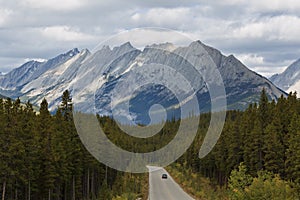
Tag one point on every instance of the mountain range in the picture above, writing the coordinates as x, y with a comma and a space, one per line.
289, 80
99, 72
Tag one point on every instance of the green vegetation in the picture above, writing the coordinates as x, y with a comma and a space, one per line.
256, 157
42, 157
265, 186
195, 184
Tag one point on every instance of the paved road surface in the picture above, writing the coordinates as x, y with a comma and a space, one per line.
164, 189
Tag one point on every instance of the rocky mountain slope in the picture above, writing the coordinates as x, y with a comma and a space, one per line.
98, 74
289, 80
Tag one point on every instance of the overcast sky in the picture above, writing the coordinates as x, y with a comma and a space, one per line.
263, 34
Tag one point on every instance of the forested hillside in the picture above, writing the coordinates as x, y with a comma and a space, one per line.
42, 158
256, 157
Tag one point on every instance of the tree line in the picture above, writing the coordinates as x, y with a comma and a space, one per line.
263, 139
42, 157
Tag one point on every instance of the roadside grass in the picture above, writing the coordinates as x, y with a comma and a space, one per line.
195, 185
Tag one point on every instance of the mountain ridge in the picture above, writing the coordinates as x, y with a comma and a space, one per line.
101, 70
289, 79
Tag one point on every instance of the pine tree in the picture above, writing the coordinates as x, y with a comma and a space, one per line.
16, 147
251, 133
253, 149
3, 164
48, 170
263, 110
274, 149
234, 145
220, 155
31, 141
293, 151
66, 106
73, 145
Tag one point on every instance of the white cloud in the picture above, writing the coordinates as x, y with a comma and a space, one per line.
283, 27
4, 15
265, 70
264, 33
258, 64
274, 5
251, 59
35, 59
58, 5
162, 16
265, 5
64, 33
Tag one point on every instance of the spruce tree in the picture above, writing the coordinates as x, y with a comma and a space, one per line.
264, 119
48, 170
263, 110
274, 149
293, 151
73, 145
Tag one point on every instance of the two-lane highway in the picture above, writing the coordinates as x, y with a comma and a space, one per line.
164, 189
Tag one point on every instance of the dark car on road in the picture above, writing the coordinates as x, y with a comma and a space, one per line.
164, 176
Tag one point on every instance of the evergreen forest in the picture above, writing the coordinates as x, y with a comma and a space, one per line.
256, 157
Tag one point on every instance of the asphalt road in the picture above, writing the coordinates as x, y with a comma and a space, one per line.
164, 189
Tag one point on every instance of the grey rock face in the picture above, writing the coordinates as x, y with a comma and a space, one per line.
94, 77
288, 78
